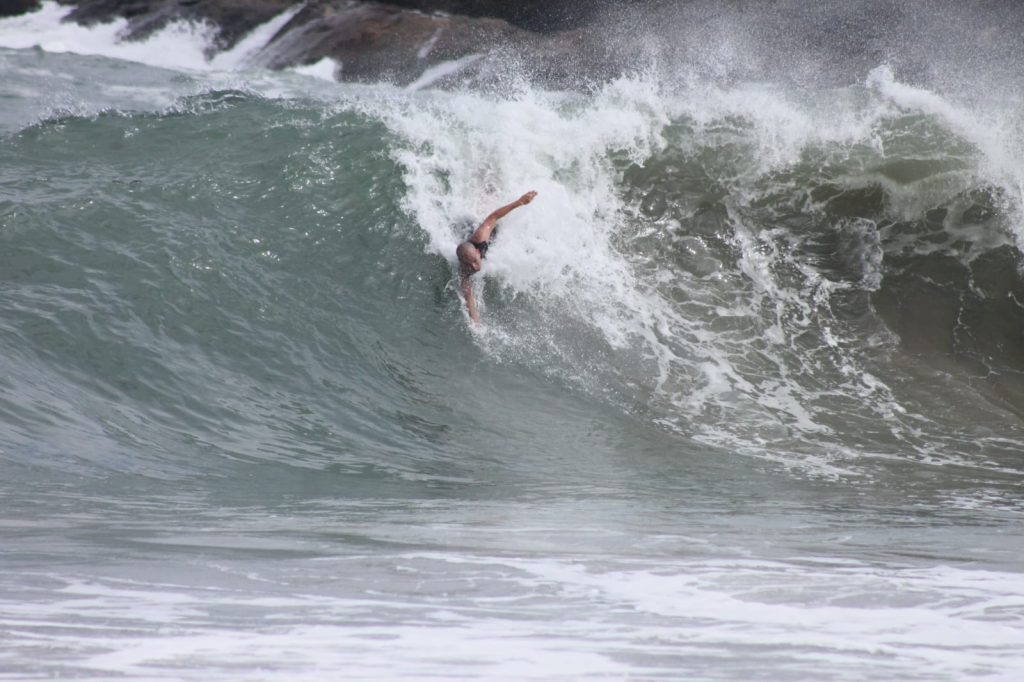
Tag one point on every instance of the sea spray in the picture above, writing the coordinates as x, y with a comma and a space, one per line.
589, 262
179, 45
461, 152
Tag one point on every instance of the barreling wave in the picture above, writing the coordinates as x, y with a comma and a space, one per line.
745, 267
264, 273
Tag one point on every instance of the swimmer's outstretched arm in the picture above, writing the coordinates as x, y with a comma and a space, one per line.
483, 233
467, 291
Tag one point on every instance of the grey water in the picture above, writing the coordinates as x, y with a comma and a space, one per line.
746, 402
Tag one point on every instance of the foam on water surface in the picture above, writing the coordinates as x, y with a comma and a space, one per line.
179, 45
827, 617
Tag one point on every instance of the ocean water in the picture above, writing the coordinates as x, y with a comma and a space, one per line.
747, 401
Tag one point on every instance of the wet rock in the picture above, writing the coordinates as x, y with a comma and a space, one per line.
233, 18
440, 42
374, 41
532, 15
10, 8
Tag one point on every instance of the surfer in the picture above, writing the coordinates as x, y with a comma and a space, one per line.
472, 251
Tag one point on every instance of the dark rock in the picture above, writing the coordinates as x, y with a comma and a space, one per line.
233, 18
395, 40
533, 15
374, 40
10, 8
90, 12
558, 42
565, 42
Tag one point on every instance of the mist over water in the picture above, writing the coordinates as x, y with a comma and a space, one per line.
746, 401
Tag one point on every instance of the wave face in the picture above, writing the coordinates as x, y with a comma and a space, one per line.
748, 392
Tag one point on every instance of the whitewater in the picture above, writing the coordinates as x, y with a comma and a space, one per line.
747, 402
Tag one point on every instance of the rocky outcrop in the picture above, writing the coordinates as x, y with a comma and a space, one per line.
374, 41
11, 8
533, 15
233, 18
570, 43
398, 41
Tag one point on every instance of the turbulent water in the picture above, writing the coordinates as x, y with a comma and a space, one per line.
747, 401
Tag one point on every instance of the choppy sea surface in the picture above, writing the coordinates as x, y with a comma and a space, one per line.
747, 401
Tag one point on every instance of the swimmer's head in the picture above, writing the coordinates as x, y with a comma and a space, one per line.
470, 259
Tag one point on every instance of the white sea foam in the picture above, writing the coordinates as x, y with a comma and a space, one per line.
249, 51
548, 618
468, 153
325, 69
443, 70
996, 133
179, 45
